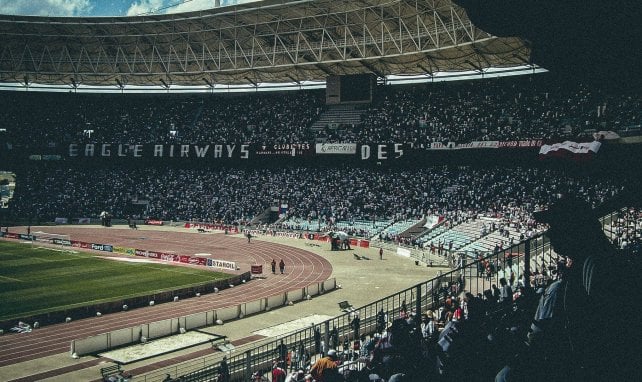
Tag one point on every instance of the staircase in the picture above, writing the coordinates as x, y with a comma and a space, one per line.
416, 230
269, 216
337, 115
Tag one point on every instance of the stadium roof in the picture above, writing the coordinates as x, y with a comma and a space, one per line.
274, 41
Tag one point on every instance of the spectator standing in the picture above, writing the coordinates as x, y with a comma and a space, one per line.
381, 321
325, 369
278, 374
355, 324
505, 292
224, 371
317, 339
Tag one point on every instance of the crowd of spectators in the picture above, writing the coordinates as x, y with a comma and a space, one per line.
526, 107
495, 109
58, 118
466, 336
625, 229
544, 325
238, 195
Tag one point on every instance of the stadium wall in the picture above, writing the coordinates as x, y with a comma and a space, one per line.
130, 303
171, 326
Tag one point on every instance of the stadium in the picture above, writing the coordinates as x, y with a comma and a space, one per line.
392, 190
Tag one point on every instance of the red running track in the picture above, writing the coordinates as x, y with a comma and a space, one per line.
302, 269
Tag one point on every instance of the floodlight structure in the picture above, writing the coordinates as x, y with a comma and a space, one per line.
273, 41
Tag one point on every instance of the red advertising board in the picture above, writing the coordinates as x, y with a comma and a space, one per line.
256, 269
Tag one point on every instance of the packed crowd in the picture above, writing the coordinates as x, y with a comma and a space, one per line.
546, 325
493, 109
54, 118
239, 195
504, 109
626, 229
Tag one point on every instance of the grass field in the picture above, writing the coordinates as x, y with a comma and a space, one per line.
37, 280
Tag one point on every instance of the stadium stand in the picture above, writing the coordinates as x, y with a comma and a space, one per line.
237, 195
534, 107
459, 326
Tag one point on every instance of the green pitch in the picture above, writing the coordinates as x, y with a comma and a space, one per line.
36, 280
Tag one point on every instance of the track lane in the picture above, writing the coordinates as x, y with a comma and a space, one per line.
302, 268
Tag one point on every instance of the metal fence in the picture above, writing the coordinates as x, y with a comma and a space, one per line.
514, 263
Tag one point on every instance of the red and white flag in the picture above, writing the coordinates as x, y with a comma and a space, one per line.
569, 149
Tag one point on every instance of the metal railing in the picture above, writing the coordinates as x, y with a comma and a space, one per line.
338, 333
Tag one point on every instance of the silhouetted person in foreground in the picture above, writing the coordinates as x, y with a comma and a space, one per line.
571, 339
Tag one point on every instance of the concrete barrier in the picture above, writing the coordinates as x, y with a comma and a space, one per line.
158, 329
254, 307
90, 345
197, 320
329, 284
162, 328
227, 314
124, 336
210, 317
313, 289
276, 300
295, 295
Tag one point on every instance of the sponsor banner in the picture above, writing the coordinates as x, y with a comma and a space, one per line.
80, 244
11, 235
254, 232
221, 264
158, 151
442, 146
153, 255
321, 237
124, 250
218, 227
361, 243
61, 242
27, 237
286, 149
61, 220
381, 152
197, 260
169, 257
484, 144
524, 143
479, 145
256, 269
1, 234
184, 259
289, 235
153, 222
101, 247
84, 220
336, 148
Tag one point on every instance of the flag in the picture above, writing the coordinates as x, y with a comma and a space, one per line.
433, 221
570, 150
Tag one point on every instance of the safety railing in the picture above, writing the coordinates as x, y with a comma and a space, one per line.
297, 349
